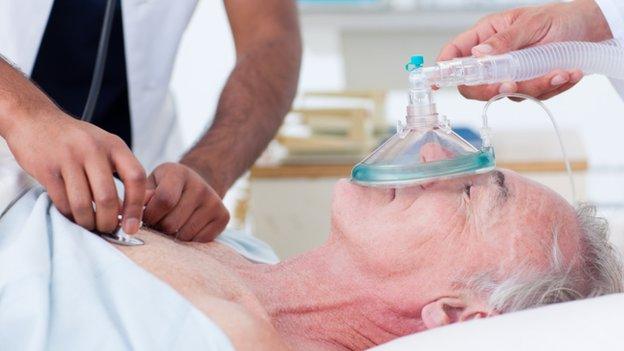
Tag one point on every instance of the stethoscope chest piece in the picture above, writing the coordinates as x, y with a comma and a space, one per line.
121, 238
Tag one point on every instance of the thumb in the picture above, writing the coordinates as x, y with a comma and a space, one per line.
513, 38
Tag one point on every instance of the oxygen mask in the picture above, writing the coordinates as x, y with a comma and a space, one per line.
424, 148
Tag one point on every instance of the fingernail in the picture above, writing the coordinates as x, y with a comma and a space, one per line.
507, 87
131, 225
558, 80
483, 49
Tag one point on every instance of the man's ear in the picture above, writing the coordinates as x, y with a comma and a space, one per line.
449, 310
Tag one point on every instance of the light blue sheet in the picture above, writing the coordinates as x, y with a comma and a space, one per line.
63, 288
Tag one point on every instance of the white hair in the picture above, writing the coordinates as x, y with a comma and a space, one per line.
597, 271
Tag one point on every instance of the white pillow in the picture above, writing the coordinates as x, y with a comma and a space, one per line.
593, 324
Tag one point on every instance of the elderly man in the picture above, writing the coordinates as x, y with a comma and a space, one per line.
397, 261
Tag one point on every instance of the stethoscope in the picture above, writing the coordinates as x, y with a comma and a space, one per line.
118, 237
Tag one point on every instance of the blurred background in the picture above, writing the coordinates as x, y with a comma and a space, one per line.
352, 92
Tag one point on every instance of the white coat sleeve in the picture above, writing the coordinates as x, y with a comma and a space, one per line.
613, 11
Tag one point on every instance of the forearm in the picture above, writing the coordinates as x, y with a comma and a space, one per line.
19, 98
254, 101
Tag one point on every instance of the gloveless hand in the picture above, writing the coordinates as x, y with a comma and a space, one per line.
184, 205
524, 27
75, 162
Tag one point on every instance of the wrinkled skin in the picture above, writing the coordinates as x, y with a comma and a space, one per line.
432, 236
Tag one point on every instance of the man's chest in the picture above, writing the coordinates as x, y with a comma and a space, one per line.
192, 271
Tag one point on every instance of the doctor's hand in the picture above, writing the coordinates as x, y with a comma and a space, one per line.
524, 27
75, 162
184, 205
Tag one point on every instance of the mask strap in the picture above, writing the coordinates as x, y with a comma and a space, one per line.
486, 132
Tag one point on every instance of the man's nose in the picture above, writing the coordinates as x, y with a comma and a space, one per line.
431, 152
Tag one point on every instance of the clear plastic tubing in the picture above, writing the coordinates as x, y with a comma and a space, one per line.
606, 58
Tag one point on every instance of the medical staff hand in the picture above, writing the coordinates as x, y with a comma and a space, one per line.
525, 27
75, 162
184, 205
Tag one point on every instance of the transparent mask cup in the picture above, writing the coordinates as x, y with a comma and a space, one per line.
424, 148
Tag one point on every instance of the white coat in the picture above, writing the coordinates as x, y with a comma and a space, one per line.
152, 33
613, 11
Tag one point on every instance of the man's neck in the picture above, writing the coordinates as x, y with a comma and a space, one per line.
319, 300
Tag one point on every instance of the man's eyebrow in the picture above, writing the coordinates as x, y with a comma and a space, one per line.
499, 180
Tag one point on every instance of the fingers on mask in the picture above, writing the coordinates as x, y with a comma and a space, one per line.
549, 85
479, 92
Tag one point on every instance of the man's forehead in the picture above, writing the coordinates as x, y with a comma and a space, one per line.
535, 217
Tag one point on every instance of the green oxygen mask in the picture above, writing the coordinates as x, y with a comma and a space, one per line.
424, 148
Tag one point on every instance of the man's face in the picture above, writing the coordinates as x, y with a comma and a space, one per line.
436, 233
